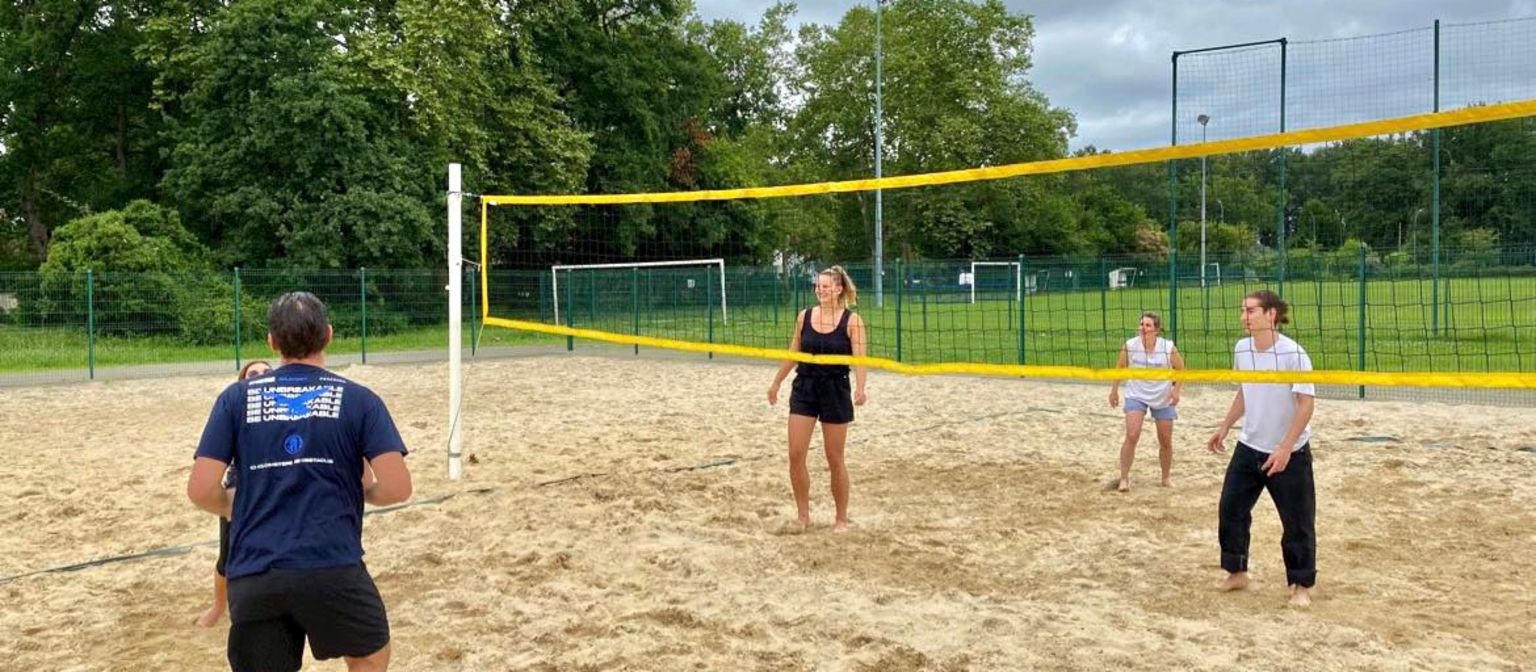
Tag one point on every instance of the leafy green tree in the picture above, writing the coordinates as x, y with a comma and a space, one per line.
77, 134
956, 96
281, 156
149, 273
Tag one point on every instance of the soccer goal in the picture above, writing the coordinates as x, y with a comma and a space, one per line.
1007, 275
1212, 275
713, 264
1123, 277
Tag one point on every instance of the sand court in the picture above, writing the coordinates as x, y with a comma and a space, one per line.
624, 513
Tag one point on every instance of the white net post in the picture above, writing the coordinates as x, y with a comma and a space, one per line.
455, 318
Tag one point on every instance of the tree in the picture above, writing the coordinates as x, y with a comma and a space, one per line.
76, 131
755, 63
282, 155
149, 274
956, 96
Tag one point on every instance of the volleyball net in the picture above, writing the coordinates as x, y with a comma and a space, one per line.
726, 271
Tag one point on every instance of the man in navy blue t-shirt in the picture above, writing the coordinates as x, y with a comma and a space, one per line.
297, 439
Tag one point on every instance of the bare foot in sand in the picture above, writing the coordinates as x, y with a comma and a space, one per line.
209, 618
1234, 581
1167, 482
1301, 597
840, 526
791, 528
1123, 486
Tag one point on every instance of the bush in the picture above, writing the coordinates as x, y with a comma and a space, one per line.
1345, 261
347, 320
1398, 260
149, 276
203, 309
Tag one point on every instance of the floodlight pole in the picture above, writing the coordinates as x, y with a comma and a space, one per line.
879, 142
1203, 119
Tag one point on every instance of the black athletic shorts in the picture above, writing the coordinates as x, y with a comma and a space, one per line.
270, 614
223, 546
826, 398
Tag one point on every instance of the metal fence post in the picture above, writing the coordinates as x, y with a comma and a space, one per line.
1023, 297
238, 320
1434, 216
1361, 340
362, 281
709, 297
90, 323
901, 274
634, 295
1104, 296
474, 318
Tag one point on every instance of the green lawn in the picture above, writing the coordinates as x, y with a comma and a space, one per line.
27, 350
1482, 325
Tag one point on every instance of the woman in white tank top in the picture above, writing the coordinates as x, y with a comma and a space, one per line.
1148, 350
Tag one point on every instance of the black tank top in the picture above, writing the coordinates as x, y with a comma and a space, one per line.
817, 343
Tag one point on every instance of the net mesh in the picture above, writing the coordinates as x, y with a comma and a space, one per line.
1363, 297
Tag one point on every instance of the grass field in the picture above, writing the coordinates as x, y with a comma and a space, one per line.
1482, 325
24, 350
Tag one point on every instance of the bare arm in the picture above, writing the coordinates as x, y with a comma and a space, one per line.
860, 346
205, 487
1178, 365
1123, 361
789, 364
391, 480
1233, 414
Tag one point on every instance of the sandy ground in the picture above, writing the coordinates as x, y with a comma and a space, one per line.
984, 536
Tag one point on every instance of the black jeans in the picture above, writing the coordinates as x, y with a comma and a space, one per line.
1295, 497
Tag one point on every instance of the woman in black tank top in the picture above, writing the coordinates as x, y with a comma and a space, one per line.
821, 391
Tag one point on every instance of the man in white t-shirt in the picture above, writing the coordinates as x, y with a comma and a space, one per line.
1273, 451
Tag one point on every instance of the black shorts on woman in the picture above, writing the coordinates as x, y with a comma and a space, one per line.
822, 391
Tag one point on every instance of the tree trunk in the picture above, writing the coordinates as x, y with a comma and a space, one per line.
122, 141
37, 231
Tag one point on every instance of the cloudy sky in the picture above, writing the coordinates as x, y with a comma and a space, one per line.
1108, 60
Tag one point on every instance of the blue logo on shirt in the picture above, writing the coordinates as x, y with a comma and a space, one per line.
294, 444
296, 404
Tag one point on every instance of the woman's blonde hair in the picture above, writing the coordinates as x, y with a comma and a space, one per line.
850, 295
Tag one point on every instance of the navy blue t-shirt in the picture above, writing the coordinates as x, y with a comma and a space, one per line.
296, 439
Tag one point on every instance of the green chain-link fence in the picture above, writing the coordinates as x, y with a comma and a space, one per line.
1353, 309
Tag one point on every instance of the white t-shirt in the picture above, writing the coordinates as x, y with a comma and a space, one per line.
1153, 393
1269, 408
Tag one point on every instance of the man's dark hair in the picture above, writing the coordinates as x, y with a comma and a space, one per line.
297, 322
1269, 300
